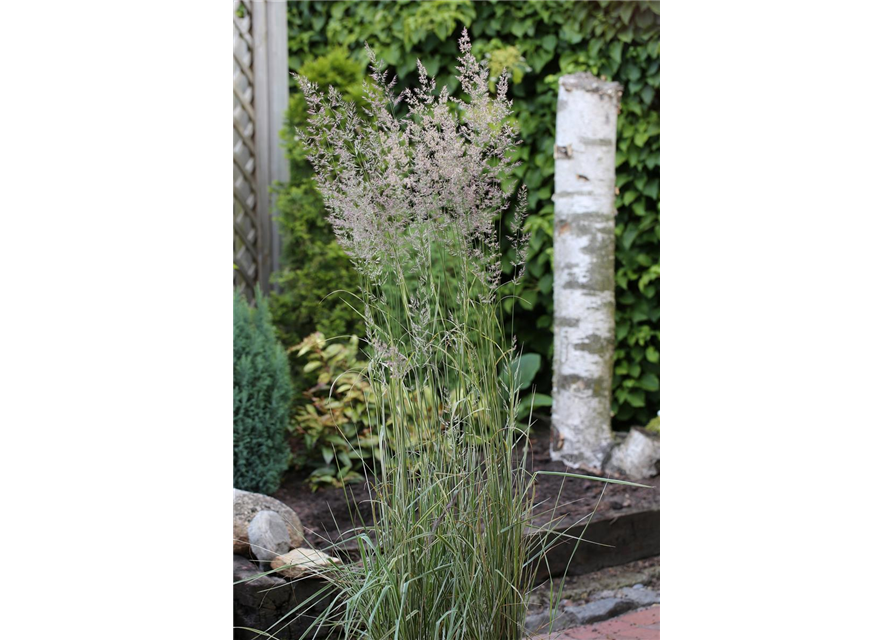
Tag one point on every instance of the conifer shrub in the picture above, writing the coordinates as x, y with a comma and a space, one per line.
261, 398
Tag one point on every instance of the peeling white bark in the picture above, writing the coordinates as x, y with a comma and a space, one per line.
585, 141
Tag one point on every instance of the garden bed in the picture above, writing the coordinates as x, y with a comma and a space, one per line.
626, 518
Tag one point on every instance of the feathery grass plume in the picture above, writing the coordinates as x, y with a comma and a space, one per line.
415, 201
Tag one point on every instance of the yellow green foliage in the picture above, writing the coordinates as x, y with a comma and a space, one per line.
336, 424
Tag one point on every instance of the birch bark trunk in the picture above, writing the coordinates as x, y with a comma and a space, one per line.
585, 141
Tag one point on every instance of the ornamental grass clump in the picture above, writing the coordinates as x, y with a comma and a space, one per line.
415, 192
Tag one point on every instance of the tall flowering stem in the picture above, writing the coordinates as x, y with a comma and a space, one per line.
416, 185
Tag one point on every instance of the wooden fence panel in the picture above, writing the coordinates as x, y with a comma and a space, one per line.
260, 98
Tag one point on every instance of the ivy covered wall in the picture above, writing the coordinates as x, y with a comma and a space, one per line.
538, 42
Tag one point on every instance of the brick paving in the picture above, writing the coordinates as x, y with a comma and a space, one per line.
742, 622
638, 625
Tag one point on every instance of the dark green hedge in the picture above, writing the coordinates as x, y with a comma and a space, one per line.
538, 42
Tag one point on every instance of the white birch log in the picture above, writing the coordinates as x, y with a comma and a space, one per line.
585, 140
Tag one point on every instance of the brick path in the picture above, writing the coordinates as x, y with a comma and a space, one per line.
638, 625
742, 622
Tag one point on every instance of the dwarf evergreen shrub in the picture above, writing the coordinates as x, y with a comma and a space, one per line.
261, 398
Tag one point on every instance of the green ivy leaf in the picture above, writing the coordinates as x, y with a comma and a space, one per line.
649, 382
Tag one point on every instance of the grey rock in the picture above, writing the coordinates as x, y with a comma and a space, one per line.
600, 610
246, 505
641, 597
539, 622
268, 536
536, 622
574, 616
636, 457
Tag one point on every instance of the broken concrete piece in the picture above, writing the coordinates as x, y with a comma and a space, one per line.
297, 562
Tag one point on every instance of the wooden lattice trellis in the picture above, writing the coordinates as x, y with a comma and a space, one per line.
260, 98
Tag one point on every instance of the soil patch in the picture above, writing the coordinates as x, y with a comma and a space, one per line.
328, 514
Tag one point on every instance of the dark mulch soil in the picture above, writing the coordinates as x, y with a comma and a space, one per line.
325, 513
